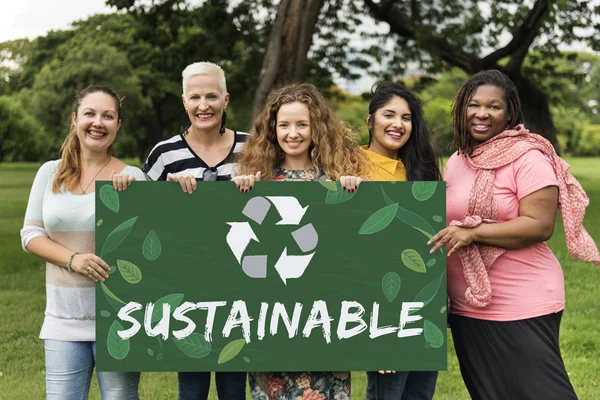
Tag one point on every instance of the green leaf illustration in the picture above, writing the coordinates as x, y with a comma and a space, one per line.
113, 300
109, 197
338, 196
391, 285
413, 260
330, 185
100, 221
231, 350
433, 335
379, 220
423, 190
428, 292
416, 221
105, 313
150, 351
129, 271
173, 299
151, 248
442, 309
111, 270
431, 262
194, 346
116, 237
117, 347
437, 218
247, 360
410, 218
159, 356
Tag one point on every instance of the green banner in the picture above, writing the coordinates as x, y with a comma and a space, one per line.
293, 276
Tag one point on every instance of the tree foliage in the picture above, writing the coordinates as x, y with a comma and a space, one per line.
474, 36
142, 49
21, 135
141, 54
51, 97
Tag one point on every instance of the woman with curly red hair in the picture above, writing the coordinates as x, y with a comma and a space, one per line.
297, 136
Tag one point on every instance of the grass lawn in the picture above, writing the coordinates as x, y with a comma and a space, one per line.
22, 302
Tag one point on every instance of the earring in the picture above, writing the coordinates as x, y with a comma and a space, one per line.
223, 121
184, 124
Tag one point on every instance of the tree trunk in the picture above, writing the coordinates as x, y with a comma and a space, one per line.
287, 52
536, 111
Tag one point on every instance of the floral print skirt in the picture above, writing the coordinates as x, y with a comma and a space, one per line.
300, 385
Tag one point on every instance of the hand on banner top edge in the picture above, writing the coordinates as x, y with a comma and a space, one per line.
121, 181
187, 182
246, 182
350, 183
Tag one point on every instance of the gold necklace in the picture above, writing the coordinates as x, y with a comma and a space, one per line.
93, 179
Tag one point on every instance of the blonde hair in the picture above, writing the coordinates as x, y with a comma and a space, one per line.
333, 151
204, 68
69, 167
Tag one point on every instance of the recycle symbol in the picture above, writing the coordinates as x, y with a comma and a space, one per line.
288, 266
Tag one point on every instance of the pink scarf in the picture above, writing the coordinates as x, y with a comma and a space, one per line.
494, 153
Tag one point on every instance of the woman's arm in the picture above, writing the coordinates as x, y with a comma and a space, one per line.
535, 224
35, 238
88, 264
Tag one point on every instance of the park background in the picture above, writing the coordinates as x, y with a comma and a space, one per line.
549, 49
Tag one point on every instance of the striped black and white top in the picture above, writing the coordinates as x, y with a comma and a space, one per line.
175, 155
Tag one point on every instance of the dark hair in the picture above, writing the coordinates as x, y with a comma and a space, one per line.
417, 154
492, 77
69, 169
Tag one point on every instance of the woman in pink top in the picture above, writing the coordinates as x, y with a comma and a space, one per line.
506, 288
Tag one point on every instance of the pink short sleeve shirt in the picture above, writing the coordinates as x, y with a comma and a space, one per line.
527, 282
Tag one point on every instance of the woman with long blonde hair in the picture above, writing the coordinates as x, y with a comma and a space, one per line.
59, 227
297, 136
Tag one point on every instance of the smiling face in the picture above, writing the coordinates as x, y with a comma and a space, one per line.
97, 121
293, 131
486, 114
390, 127
204, 101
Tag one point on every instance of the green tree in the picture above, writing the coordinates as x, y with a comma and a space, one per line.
170, 35
141, 54
13, 54
590, 141
52, 96
22, 138
469, 35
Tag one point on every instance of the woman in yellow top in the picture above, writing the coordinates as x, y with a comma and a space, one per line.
399, 149
399, 145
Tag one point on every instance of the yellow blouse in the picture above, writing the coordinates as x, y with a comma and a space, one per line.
383, 168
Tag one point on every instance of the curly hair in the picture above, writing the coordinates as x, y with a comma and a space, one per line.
69, 168
492, 77
334, 150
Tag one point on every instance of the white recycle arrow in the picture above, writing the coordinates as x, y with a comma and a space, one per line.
292, 266
289, 208
239, 237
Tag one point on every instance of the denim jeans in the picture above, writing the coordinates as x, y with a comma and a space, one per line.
413, 385
69, 367
195, 385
